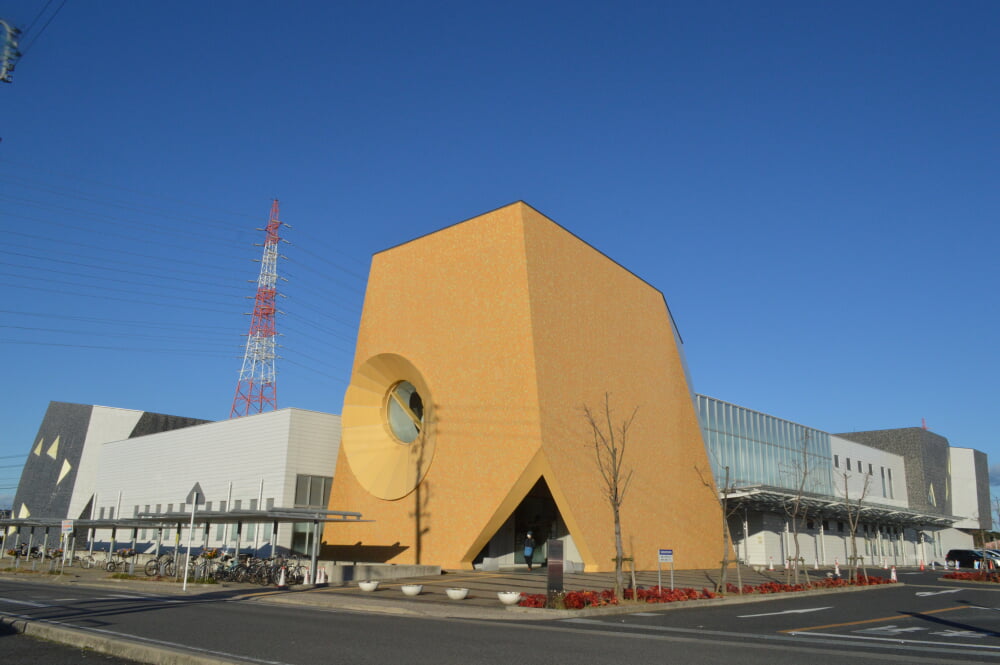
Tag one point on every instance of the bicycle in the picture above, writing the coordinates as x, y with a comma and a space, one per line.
119, 559
162, 565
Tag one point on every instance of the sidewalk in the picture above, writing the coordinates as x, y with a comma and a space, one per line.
433, 601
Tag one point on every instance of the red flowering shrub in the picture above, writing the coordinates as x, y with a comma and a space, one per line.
977, 576
532, 600
575, 600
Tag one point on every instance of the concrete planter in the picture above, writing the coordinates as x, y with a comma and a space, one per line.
457, 593
412, 589
509, 597
368, 585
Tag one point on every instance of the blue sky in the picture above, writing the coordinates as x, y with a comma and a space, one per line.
813, 186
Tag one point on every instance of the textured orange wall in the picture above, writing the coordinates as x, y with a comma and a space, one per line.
515, 324
455, 304
599, 328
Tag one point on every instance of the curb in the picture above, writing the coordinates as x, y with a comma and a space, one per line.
118, 646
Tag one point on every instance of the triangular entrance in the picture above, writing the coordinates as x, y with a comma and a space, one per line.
537, 512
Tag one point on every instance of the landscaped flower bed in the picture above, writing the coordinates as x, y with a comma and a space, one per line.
977, 576
575, 600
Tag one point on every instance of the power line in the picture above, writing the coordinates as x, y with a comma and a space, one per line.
79, 196
190, 204
37, 16
54, 14
102, 296
199, 350
90, 319
77, 332
104, 248
76, 282
155, 238
105, 289
72, 194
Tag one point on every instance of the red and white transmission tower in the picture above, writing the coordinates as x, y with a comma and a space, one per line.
256, 388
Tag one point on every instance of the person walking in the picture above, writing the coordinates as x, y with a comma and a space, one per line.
529, 549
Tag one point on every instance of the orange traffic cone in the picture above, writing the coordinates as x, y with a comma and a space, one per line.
922, 565
281, 580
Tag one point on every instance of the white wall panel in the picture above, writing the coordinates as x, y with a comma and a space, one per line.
845, 450
106, 424
965, 491
229, 459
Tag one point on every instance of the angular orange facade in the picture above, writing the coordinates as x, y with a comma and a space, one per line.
479, 346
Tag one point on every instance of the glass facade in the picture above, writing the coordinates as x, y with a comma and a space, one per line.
763, 450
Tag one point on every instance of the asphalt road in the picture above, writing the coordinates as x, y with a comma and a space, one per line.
18, 648
925, 621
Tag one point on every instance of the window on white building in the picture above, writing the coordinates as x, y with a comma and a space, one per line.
312, 491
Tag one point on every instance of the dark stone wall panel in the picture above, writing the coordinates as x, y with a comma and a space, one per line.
926, 456
151, 423
983, 490
40, 488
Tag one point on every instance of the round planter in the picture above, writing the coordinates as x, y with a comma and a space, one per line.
412, 589
509, 597
457, 593
368, 585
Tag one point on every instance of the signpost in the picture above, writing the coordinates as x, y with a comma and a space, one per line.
554, 567
194, 497
665, 556
66, 532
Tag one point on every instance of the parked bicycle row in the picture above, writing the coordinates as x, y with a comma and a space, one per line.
210, 564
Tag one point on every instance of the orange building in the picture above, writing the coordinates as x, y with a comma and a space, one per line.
463, 427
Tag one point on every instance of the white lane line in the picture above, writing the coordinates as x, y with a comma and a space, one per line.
23, 602
937, 593
124, 596
896, 640
772, 614
831, 639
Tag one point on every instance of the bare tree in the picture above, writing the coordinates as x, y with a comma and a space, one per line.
796, 511
723, 498
853, 508
610, 442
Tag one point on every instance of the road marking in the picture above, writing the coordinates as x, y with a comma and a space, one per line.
23, 602
895, 617
771, 614
936, 593
124, 595
755, 640
896, 640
